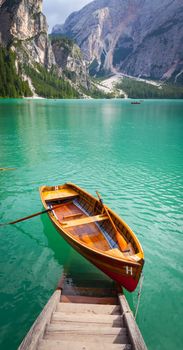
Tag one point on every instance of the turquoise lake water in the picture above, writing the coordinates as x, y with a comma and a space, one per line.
131, 154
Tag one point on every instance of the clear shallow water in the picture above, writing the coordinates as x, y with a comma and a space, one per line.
133, 155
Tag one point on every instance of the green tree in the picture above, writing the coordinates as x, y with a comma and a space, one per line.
11, 85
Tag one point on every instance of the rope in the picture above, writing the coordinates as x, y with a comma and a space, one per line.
139, 294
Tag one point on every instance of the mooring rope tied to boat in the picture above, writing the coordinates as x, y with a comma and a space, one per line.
139, 294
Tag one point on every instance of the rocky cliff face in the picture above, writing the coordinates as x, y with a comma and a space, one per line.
24, 28
69, 58
137, 37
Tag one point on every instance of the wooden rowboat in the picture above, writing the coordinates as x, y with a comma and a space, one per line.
96, 232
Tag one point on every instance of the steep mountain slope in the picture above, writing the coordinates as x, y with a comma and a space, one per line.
137, 37
23, 24
23, 30
69, 58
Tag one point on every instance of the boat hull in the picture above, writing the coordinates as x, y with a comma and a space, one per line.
126, 273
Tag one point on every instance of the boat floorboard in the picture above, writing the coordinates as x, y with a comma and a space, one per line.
87, 233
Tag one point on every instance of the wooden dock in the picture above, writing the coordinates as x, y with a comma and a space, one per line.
85, 318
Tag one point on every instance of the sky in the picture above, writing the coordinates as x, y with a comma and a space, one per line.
56, 11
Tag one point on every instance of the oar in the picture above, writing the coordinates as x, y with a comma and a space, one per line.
6, 169
30, 216
121, 241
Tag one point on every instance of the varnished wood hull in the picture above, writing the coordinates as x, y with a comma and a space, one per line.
125, 270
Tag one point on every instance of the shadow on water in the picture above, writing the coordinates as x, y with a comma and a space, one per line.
73, 264
56, 243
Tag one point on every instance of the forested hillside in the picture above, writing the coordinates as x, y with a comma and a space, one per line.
140, 89
11, 85
48, 84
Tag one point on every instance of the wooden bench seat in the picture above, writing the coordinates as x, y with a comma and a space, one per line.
59, 194
84, 221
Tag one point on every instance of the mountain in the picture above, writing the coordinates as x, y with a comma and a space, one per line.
141, 38
69, 58
23, 24
46, 64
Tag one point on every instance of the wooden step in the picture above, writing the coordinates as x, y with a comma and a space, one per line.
91, 333
84, 329
88, 300
87, 318
76, 345
88, 308
77, 327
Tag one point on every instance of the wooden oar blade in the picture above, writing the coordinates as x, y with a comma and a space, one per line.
121, 241
7, 169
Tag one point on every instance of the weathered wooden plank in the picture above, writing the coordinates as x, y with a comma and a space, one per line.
78, 332
135, 335
87, 318
83, 345
86, 220
80, 328
88, 300
107, 338
36, 332
88, 308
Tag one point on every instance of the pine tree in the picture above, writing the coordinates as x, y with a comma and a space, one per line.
11, 85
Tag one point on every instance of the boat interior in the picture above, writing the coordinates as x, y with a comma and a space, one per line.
84, 217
